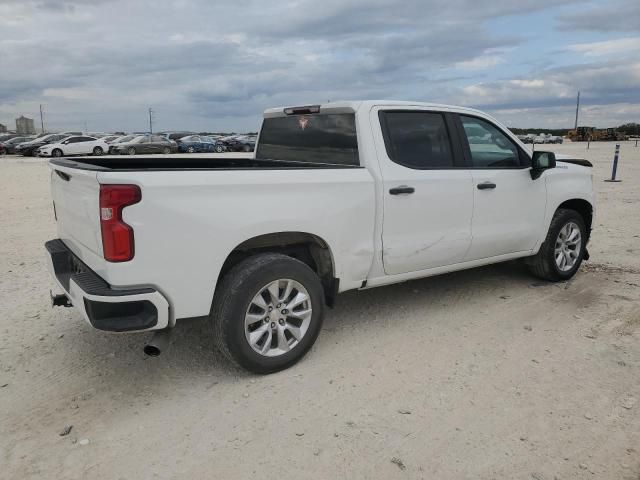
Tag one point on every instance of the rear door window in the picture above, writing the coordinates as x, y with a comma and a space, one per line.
418, 140
317, 138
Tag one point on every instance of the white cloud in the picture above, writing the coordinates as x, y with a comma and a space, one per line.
600, 116
618, 46
490, 58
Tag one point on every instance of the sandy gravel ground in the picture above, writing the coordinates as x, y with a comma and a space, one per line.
482, 374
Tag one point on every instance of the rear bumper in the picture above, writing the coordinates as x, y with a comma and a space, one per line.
103, 306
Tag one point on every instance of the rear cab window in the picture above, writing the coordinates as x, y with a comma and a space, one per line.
323, 138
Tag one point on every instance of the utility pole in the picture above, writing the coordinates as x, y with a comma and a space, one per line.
577, 110
150, 120
41, 119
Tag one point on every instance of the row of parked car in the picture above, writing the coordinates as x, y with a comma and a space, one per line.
78, 143
541, 138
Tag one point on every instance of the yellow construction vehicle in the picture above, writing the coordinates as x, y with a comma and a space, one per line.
581, 134
591, 134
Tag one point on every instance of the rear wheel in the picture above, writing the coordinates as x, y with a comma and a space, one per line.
97, 151
246, 148
267, 312
167, 150
191, 150
219, 149
131, 151
56, 152
562, 252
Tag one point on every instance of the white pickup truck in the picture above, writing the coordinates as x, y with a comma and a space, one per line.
340, 196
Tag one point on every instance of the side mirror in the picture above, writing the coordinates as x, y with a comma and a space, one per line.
540, 162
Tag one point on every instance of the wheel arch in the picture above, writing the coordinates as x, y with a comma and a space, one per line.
309, 248
584, 208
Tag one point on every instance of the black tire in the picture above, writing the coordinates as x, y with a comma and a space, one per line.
97, 151
219, 148
131, 151
191, 150
246, 148
166, 150
233, 296
56, 152
543, 264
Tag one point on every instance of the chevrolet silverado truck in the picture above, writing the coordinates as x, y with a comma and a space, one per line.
340, 196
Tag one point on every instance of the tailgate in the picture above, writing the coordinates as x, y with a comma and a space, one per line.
76, 195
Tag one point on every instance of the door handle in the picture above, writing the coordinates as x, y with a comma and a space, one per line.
402, 189
486, 186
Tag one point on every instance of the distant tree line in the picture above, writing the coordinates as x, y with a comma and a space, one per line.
628, 129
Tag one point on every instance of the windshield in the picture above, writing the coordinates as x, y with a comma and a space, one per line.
324, 138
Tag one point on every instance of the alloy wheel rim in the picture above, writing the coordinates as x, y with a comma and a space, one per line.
567, 247
278, 317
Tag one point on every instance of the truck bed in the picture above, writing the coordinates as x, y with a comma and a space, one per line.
161, 163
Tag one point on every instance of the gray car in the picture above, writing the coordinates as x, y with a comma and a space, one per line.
145, 144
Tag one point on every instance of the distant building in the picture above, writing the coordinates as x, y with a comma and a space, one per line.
3, 128
24, 126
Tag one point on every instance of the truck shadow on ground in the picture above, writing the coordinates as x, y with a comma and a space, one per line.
192, 353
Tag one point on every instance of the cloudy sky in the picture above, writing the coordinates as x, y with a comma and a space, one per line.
216, 65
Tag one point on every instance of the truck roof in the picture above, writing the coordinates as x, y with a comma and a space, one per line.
355, 105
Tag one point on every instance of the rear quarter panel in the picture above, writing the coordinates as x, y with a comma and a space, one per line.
189, 221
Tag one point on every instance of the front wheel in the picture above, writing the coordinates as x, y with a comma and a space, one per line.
97, 151
131, 151
219, 149
166, 150
191, 150
56, 152
267, 312
563, 250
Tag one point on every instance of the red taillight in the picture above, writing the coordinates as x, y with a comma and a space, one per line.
117, 236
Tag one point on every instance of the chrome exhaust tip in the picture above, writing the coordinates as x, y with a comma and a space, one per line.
158, 343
